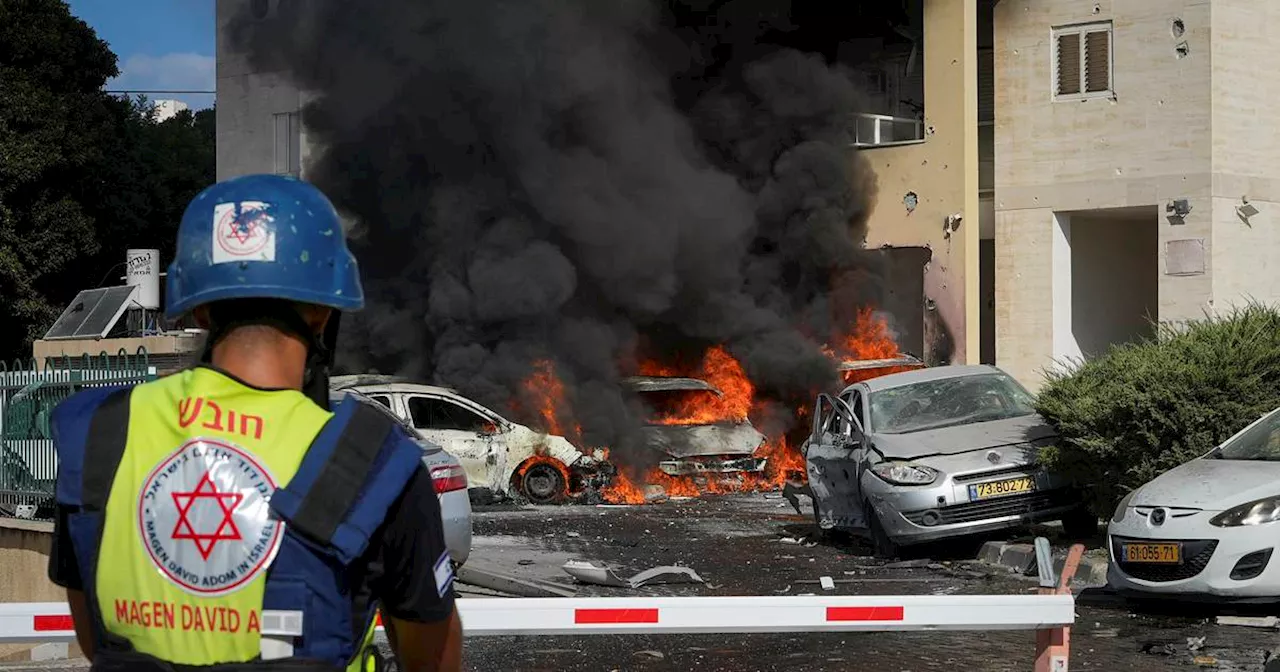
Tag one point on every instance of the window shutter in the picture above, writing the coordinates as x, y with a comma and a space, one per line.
1097, 56
1068, 64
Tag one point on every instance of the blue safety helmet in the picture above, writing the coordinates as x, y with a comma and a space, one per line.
262, 236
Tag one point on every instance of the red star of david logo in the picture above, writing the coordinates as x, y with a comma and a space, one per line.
242, 227
226, 527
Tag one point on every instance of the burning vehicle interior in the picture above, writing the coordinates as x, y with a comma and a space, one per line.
685, 426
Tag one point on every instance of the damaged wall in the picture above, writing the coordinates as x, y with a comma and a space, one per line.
939, 178
1244, 247
1147, 144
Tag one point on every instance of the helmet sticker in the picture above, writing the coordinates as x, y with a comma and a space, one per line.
243, 231
204, 519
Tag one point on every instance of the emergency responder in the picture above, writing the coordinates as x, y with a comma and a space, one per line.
224, 515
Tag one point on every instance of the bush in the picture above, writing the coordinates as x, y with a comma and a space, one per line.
1146, 407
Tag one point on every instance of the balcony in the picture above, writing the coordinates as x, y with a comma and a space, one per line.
879, 130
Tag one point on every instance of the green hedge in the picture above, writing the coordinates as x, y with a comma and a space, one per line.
1146, 407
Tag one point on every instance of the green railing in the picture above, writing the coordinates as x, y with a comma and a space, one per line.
28, 395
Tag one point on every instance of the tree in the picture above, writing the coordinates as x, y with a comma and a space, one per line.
52, 119
83, 175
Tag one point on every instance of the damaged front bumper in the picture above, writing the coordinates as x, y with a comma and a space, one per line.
713, 465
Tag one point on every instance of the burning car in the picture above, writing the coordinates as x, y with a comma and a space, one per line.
934, 453
500, 457
691, 426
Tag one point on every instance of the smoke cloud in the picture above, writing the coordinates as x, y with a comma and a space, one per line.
579, 181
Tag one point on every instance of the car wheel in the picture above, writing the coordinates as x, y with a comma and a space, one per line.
884, 546
1080, 524
544, 484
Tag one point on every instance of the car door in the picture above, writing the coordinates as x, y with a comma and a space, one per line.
834, 464
463, 432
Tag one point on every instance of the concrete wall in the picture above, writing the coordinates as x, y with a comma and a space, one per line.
943, 173
1244, 256
24, 577
246, 103
1146, 145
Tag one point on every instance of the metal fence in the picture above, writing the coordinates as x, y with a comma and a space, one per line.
28, 395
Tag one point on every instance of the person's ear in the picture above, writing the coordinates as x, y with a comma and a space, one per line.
316, 317
201, 316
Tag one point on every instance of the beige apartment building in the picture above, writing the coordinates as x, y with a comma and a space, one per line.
1137, 176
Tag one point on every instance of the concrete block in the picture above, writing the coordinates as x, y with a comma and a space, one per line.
50, 651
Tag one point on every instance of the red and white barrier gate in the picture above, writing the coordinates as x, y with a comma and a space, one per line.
1050, 613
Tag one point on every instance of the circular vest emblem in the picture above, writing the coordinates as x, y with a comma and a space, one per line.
204, 518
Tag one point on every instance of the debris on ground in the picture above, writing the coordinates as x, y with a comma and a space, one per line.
601, 575
1159, 648
827, 583
505, 583
794, 541
1195, 643
1206, 661
909, 564
1250, 621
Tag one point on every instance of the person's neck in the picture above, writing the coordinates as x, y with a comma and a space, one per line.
279, 365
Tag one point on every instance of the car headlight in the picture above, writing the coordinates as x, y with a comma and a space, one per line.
905, 473
1122, 507
1254, 513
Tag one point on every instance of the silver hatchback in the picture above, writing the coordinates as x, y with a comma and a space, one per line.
935, 453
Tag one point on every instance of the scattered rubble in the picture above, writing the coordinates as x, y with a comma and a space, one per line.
505, 583
601, 575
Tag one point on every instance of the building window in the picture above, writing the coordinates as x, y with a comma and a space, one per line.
1082, 61
288, 144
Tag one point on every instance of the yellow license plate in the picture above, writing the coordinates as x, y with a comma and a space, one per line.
1156, 554
1012, 486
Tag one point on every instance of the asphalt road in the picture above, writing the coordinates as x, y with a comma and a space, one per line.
733, 542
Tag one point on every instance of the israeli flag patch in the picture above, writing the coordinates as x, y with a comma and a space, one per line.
444, 574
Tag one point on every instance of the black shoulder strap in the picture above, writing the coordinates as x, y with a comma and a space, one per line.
104, 448
322, 492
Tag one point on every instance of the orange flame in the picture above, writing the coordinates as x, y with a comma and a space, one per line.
720, 369
867, 338
545, 387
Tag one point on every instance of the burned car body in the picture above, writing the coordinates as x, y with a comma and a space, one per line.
717, 446
934, 453
501, 457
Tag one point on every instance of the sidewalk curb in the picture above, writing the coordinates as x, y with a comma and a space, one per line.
1021, 558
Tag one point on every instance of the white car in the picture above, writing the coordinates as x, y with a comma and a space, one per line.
499, 456
1205, 529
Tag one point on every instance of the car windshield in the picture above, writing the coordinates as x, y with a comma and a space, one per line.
948, 402
1259, 442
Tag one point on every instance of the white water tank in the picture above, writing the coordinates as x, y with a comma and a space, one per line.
143, 270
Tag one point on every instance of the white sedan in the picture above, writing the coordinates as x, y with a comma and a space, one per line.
1208, 528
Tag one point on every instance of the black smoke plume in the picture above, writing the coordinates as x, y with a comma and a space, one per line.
585, 181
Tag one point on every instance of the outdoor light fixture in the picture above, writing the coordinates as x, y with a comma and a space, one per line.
1177, 210
1245, 210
